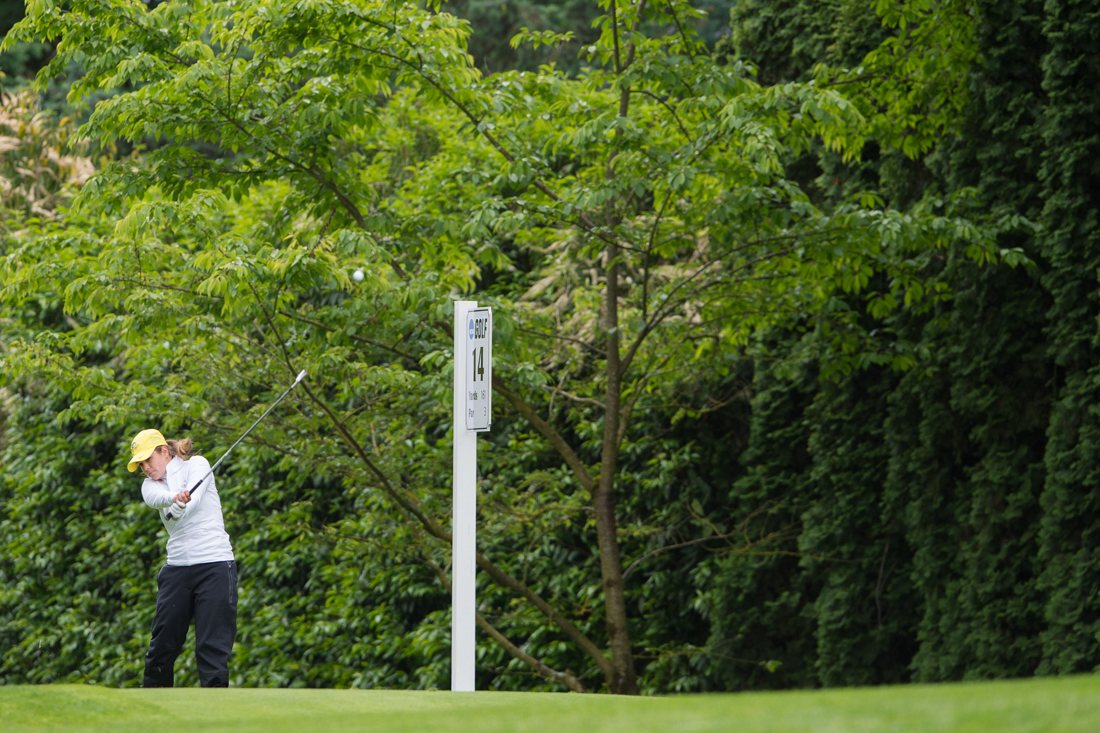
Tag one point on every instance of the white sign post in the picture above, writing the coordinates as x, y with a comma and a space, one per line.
473, 379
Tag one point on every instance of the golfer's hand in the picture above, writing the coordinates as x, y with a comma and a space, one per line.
178, 508
183, 497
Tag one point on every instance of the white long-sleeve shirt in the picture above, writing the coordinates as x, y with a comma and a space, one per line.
199, 535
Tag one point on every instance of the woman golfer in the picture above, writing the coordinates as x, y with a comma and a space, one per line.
200, 579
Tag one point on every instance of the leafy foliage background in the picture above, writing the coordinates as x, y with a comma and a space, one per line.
937, 523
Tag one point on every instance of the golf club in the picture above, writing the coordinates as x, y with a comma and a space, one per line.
301, 376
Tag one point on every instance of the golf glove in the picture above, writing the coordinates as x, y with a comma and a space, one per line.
177, 510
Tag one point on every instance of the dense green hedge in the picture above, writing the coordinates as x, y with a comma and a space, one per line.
952, 514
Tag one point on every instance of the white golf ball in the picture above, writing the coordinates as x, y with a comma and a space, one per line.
357, 276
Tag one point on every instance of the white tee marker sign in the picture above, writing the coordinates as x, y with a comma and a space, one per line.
473, 412
479, 369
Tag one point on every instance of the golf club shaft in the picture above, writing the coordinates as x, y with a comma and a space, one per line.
301, 376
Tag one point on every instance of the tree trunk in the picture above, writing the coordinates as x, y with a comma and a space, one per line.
623, 680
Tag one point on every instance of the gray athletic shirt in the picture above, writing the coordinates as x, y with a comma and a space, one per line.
199, 535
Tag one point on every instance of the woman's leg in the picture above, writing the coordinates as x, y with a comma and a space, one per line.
173, 616
215, 620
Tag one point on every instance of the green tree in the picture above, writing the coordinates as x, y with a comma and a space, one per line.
633, 226
19, 64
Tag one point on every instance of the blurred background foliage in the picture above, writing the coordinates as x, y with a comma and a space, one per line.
934, 523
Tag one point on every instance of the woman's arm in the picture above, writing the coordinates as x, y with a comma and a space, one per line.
198, 468
156, 493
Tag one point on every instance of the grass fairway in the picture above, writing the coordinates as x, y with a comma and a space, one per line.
1067, 704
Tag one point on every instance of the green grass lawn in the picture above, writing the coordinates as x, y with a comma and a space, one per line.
1066, 704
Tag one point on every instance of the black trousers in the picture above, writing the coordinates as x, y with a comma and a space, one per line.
207, 593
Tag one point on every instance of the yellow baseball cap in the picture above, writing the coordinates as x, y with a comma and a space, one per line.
142, 446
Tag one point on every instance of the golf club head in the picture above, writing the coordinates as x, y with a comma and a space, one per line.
301, 376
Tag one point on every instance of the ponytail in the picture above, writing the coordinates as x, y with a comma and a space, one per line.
179, 448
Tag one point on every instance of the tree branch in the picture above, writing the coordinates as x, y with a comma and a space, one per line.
680, 28
615, 34
311, 170
507, 581
541, 185
566, 677
635, 393
384, 483
573, 397
429, 524
354, 337
671, 111
547, 431
560, 337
